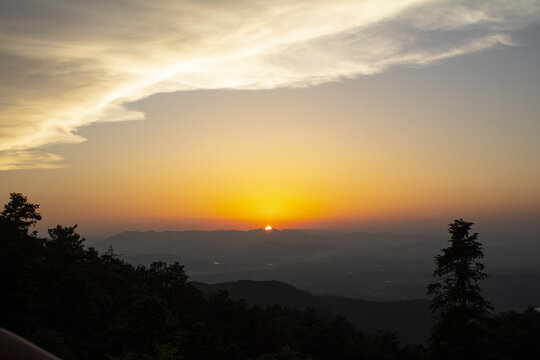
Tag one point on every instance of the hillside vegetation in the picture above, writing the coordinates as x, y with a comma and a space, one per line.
81, 304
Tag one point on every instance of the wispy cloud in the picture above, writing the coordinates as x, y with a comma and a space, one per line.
68, 64
18, 160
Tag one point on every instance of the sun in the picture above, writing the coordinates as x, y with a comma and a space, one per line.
268, 228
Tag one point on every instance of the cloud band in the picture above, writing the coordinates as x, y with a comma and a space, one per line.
66, 64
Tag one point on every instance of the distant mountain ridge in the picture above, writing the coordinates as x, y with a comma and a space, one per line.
410, 319
273, 246
370, 266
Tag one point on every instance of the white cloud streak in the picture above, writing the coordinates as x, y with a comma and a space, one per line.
67, 64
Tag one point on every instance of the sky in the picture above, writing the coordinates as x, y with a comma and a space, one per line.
233, 114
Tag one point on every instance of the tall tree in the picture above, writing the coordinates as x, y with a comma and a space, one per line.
456, 297
20, 213
20, 257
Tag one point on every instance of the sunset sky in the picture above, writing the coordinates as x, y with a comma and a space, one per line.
136, 115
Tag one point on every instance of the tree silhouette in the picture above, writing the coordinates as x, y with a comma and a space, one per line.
19, 213
80, 304
456, 297
20, 252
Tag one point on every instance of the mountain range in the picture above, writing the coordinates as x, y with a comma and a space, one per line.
410, 319
357, 265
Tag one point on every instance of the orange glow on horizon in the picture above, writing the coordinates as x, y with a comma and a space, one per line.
268, 228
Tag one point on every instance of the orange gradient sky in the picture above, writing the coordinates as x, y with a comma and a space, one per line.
345, 125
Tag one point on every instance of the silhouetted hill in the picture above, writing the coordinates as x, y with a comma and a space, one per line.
411, 319
80, 304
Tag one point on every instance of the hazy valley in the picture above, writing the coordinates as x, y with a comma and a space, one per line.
368, 266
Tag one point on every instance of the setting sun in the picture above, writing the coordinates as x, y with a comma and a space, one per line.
144, 144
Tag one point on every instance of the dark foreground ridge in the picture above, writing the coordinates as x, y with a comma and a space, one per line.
410, 319
77, 303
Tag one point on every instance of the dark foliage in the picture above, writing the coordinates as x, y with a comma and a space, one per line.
411, 319
461, 329
80, 304
518, 335
19, 213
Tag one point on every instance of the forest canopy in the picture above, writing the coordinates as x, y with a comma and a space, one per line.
80, 304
